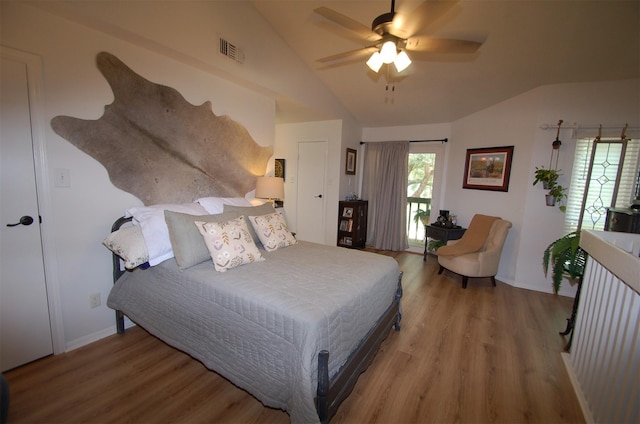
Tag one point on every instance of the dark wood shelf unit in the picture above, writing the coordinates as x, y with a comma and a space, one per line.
623, 220
352, 224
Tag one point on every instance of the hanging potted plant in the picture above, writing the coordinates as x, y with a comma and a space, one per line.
566, 258
555, 196
548, 177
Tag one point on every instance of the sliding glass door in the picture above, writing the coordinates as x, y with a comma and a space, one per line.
425, 174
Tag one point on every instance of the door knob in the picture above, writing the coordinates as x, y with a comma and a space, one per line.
25, 220
318, 196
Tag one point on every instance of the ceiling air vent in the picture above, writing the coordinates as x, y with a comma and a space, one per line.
231, 51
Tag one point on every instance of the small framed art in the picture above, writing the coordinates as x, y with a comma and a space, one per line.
350, 166
279, 168
488, 168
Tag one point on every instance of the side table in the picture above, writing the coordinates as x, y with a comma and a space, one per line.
439, 232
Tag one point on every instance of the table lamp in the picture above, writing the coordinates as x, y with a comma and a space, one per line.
270, 188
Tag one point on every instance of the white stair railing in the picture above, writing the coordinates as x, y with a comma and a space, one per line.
604, 362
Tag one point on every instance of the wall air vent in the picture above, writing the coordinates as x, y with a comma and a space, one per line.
231, 51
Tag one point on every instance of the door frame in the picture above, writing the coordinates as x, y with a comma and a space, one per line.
35, 80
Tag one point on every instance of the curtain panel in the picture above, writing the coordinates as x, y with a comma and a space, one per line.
384, 185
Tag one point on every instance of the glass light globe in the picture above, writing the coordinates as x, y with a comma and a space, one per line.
388, 52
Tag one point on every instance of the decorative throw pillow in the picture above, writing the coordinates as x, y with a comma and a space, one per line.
187, 243
128, 243
154, 228
215, 205
229, 243
264, 209
272, 231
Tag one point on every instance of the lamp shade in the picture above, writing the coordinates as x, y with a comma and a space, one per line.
388, 52
270, 187
375, 62
402, 61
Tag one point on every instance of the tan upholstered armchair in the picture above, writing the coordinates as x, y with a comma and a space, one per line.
483, 262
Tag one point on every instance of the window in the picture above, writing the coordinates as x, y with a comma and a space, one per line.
611, 183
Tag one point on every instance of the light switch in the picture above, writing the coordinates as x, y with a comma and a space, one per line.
62, 178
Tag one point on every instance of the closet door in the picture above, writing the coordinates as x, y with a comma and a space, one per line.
311, 188
25, 331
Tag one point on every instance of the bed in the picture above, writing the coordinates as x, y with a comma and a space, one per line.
295, 329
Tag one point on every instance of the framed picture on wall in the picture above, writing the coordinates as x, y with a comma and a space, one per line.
279, 168
350, 167
488, 168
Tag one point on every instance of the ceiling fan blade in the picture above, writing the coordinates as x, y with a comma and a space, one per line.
345, 21
424, 15
441, 45
350, 54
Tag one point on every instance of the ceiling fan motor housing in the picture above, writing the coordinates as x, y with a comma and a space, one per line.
383, 23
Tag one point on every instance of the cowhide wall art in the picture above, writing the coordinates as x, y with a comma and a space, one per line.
159, 147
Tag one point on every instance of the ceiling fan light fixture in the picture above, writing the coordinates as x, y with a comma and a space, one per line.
375, 62
388, 52
402, 61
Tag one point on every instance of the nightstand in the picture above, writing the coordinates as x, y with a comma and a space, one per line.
439, 232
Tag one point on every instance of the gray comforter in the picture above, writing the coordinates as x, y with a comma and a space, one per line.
262, 325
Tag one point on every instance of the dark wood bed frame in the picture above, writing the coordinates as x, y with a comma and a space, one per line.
331, 392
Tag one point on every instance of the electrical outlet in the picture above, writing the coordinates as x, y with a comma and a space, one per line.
94, 300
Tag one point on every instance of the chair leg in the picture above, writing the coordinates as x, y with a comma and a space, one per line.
493, 280
440, 270
465, 280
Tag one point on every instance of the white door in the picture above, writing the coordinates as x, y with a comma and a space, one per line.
25, 331
312, 159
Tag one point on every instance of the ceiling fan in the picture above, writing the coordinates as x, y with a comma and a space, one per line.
393, 34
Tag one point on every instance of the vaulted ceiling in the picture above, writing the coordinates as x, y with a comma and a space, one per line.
526, 44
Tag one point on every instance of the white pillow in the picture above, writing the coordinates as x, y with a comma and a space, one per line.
128, 243
215, 205
154, 228
229, 243
273, 231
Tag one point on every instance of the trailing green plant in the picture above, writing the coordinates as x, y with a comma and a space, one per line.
434, 244
549, 180
557, 192
566, 258
548, 177
421, 216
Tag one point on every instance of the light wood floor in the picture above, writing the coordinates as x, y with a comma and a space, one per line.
482, 355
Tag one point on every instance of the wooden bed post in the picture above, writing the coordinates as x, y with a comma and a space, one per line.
331, 393
117, 272
322, 402
399, 293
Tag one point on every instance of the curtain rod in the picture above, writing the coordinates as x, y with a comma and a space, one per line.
575, 126
442, 140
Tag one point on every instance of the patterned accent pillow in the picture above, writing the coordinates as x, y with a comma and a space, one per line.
273, 231
187, 243
128, 243
263, 209
229, 243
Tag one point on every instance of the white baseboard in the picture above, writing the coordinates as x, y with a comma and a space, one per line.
94, 337
90, 338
